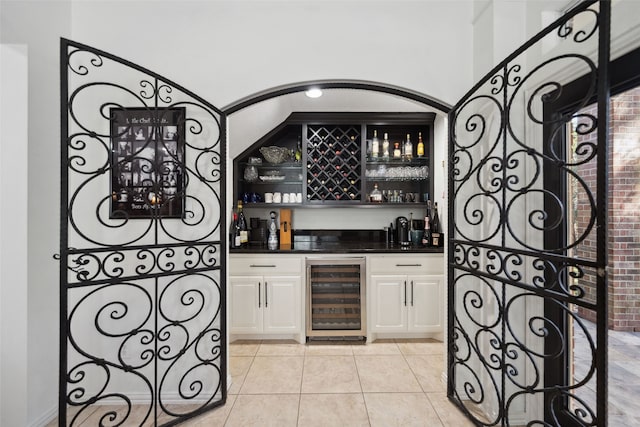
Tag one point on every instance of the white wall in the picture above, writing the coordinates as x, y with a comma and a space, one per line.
39, 24
13, 234
226, 50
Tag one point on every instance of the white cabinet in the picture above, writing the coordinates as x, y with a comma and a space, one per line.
265, 304
266, 299
406, 294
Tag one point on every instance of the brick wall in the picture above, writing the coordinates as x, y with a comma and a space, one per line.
624, 214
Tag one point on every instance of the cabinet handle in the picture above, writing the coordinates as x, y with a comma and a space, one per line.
259, 294
266, 295
412, 293
405, 293
262, 265
408, 265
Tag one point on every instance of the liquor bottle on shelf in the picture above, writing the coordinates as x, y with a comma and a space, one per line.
242, 226
420, 149
376, 195
298, 155
375, 145
435, 227
385, 147
426, 236
397, 154
408, 149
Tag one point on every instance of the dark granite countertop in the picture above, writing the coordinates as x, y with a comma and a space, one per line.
338, 242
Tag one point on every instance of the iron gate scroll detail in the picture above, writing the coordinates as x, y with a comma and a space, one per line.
513, 278
143, 331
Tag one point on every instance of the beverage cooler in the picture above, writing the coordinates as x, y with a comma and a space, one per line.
335, 297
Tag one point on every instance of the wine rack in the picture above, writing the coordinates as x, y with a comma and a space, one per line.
334, 158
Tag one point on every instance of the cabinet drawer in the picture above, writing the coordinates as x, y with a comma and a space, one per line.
407, 264
260, 265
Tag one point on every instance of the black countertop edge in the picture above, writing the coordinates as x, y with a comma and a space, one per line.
371, 249
338, 242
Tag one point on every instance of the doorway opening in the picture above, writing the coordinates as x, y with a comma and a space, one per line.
624, 259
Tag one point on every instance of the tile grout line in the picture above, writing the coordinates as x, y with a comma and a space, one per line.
366, 408
253, 358
426, 395
304, 360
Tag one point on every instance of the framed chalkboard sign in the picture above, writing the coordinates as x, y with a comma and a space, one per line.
147, 162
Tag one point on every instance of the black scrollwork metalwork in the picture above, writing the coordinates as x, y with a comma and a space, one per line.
512, 288
143, 298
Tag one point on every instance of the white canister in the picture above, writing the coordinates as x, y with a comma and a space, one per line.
286, 198
292, 197
298, 197
268, 197
277, 197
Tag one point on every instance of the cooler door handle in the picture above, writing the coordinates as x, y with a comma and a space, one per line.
266, 294
408, 265
262, 266
259, 294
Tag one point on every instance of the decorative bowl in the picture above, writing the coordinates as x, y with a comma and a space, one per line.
274, 154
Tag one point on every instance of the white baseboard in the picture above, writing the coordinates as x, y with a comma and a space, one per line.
46, 417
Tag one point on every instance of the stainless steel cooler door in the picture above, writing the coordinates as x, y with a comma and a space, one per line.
335, 297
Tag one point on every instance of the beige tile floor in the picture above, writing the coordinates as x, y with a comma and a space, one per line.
388, 383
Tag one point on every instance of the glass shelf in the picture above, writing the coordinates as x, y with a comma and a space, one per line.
273, 165
390, 179
392, 161
258, 182
270, 205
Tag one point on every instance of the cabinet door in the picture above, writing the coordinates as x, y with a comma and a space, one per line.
425, 312
388, 303
282, 304
246, 304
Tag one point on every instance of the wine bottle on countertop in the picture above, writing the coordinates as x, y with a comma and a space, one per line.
435, 227
426, 236
242, 226
234, 232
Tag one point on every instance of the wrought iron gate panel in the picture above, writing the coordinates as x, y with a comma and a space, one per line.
142, 250
513, 279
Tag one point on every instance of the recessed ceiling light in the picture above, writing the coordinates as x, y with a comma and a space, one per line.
314, 93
